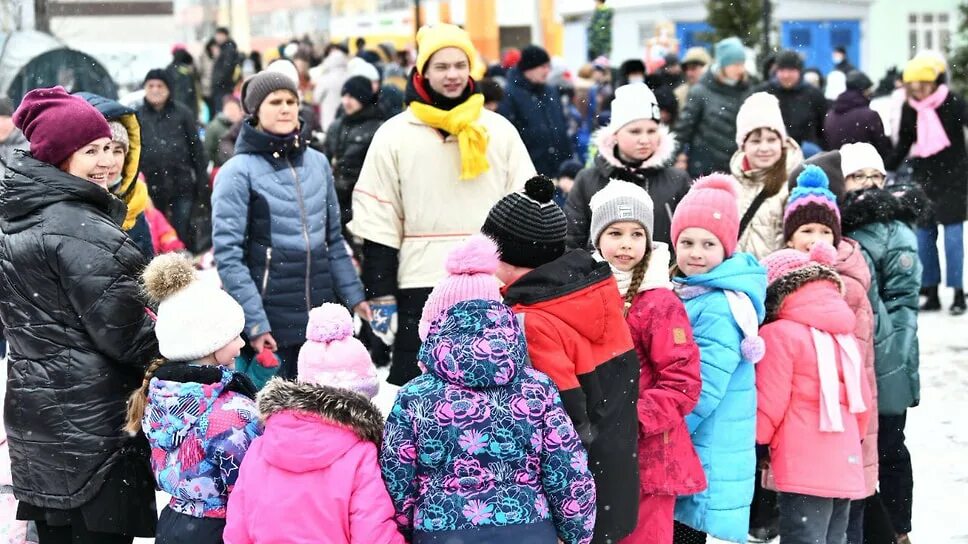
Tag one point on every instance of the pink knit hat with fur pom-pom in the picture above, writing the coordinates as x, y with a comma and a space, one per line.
331, 356
470, 276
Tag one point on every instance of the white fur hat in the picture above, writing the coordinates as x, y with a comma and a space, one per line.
633, 102
760, 110
854, 157
359, 67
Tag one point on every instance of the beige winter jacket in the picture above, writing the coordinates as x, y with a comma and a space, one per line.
409, 196
764, 235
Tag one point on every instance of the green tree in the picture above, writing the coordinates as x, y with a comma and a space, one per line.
958, 56
740, 18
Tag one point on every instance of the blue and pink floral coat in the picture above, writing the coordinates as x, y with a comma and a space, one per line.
479, 448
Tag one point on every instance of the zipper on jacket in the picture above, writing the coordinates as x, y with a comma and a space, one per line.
265, 276
305, 230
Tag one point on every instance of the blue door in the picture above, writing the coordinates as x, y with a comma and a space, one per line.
816, 40
690, 35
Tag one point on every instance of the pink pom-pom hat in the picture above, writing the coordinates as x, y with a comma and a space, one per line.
470, 276
332, 356
710, 204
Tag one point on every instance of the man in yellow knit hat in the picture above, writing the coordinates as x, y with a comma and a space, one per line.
430, 177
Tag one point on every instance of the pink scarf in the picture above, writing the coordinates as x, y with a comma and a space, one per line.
931, 135
827, 346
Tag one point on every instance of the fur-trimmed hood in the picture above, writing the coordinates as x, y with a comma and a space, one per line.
905, 203
310, 426
605, 141
778, 291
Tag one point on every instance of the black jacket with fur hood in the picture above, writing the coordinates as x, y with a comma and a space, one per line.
664, 183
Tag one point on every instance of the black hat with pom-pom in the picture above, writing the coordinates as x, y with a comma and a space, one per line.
529, 228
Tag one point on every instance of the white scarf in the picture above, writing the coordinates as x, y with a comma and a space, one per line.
656, 274
824, 344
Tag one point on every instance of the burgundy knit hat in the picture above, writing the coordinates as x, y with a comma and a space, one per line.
57, 124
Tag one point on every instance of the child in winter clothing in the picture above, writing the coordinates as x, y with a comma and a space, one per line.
669, 382
634, 147
576, 334
479, 448
811, 216
723, 292
199, 416
881, 221
315, 468
813, 399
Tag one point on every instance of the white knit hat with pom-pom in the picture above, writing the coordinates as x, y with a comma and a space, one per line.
195, 318
331, 356
470, 276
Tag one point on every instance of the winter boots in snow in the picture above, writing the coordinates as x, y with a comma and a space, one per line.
958, 306
932, 302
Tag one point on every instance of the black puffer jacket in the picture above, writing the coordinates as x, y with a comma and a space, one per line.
664, 183
803, 108
707, 125
347, 141
79, 336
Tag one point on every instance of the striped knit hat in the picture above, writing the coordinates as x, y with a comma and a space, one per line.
811, 202
529, 228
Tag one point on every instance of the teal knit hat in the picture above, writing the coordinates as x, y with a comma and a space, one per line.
730, 51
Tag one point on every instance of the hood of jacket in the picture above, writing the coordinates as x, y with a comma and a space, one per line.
905, 203
309, 427
30, 184
337, 60
737, 164
741, 273
113, 110
562, 288
178, 396
606, 160
253, 141
475, 344
852, 264
818, 302
850, 100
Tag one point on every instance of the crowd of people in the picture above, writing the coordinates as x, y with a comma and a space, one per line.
643, 304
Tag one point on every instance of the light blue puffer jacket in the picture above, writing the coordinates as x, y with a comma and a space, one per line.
723, 424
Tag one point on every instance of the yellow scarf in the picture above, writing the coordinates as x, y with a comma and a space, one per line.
462, 122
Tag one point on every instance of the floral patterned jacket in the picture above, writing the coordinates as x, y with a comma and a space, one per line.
481, 443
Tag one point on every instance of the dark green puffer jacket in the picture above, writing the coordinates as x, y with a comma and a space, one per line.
880, 221
707, 125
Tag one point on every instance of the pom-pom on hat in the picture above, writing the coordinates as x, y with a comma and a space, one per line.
811, 202
854, 157
788, 269
470, 276
620, 201
710, 204
529, 228
759, 110
57, 124
195, 318
332, 356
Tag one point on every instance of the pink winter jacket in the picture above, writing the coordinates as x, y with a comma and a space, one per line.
804, 459
853, 270
313, 476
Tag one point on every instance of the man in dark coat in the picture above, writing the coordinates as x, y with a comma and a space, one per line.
535, 109
184, 79
803, 106
851, 120
225, 70
173, 159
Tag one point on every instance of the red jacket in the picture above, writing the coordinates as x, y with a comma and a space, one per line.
669, 387
577, 335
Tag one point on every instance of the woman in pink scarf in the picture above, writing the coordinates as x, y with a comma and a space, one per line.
931, 135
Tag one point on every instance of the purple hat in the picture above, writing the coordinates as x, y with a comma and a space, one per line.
57, 124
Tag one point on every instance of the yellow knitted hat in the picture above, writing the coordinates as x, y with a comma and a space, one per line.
433, 38
920, 69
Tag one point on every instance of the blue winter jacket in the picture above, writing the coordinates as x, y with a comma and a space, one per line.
723, 424
276, 231
537, 113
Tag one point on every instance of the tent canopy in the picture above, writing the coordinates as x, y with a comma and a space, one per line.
31, 59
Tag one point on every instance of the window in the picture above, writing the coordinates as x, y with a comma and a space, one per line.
929, 31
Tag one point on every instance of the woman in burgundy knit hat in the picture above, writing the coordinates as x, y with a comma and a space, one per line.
79, 336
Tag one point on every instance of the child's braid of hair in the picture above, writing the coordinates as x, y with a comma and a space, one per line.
139, 399
638, 274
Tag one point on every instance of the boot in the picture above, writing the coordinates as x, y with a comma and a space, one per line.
958, 306
932, 303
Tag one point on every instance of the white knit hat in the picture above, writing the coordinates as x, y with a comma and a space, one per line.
195, 318
620, 201
854, 157
359, 67
633, 102
286, 68
760, 110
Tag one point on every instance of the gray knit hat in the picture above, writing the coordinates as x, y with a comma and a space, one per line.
529, 228
258, 87
620, 201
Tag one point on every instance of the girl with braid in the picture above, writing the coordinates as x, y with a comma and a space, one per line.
200, 417
669, 384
